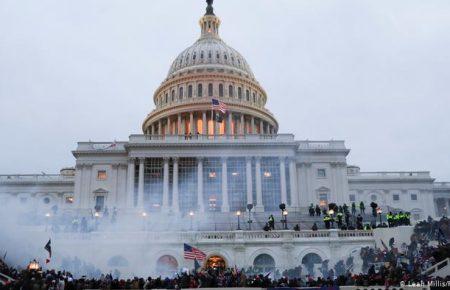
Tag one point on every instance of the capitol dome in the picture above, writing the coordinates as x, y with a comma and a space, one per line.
210, 52
210, 71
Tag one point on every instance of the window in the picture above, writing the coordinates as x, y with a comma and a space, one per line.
217, 55
413, 196
194, 56
254, 98
46, 200
225, 57
247, 95
23, 200
199, 90
321, 173
180, 93
167, 98
201, 55
101, 175
352, 197
69, 199
396, 197
220, 90
190, 91
209, 54
173, 95
210, 90
230, 91
99, 202
240, 93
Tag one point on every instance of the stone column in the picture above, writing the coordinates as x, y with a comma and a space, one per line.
259, 200
204, 124
179, 125
165, 202
261, 127
283, 180
230, 120
248, 171
225, 204
191, 123
252, 125
293, 183
140, 203
160, 127
242, 125
153, 129
214, 125
168, 126
175, 202
201, 206
130, 182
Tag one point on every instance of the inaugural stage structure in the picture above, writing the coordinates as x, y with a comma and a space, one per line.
196, 160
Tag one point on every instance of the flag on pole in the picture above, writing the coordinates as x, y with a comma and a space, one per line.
219, 105
196, 265
48, 248
192, 253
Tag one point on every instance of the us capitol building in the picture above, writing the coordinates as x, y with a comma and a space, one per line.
188, 167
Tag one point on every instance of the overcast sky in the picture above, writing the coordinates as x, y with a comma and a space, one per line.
373, 73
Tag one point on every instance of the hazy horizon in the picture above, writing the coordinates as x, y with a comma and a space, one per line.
373, 73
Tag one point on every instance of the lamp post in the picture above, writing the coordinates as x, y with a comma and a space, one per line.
96, 216
191, 215
238, 214
379, 212
285, 214
144, 220
249, 207
47, 220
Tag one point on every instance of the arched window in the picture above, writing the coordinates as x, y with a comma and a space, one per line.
167, 98
166, 265
194, 56
209, 54
230, 91
190, 91
199, 90
264, 263
254, 98
240, 93
247, 95
225, 56
217, 55
173, 95
310, 260
201, 55
180, 94
210, 90
220, 90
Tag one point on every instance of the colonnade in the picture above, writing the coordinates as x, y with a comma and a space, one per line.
204, 123
175, 205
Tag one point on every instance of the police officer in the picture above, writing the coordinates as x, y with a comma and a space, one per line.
362, 208
339, 219
311, 210
271, 222
327, 221
389, 218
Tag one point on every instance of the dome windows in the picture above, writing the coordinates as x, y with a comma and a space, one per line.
180, 93
230, 91
201, 55
199, 90
190, 91
247, 95
225, 56
167, 98
240, 93
210, 90
194, 56
254, 98
217, 55
220, 90
210, 55
173, 96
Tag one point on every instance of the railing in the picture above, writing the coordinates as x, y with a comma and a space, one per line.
394, 174
442, 185
433, 269
35, 178
210, 138
320, 145
223, 236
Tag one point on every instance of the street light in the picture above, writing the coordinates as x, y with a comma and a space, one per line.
249, 207
285, 214
379, 212
238, 214
191, 214
331, 213
144, 222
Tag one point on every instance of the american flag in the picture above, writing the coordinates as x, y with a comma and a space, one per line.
216, 104
192, 253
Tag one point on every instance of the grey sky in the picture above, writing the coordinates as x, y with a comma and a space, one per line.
374, 73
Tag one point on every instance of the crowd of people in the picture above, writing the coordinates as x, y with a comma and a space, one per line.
389, 265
